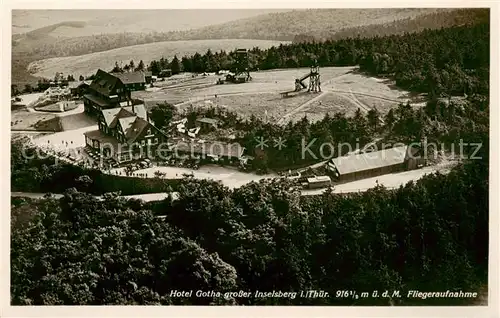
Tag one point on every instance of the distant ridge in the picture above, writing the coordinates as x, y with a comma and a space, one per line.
281, 26
295, 25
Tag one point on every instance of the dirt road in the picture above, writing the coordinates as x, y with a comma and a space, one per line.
390, 181
285, 117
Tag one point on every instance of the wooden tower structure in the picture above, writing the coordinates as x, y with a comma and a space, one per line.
314, 80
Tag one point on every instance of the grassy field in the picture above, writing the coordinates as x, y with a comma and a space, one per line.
345, 91
89, 63
256, 104
330, 103
382, 105
367, 85
201, 88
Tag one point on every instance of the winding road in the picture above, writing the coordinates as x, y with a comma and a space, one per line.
390, 181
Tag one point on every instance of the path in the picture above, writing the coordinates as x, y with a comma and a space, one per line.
353, 98
229, 177
390, 181
366, 94
299, 108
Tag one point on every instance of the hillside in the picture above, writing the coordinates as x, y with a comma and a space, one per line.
88, 64
125, 20
44, 42
321, 22
40, 44
433, 20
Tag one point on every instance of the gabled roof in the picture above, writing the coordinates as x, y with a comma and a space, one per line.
104, 82
132, 124
370, 160
208, 120
123, 113
112, 115
139, 110
126, 123
130, 77
136, 129
76, 84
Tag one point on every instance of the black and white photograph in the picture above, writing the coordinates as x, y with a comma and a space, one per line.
319, 157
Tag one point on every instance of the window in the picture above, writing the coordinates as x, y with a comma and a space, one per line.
149, 131
143, 142
155, 141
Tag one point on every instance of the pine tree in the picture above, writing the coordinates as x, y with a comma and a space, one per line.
140, 67
373, 118
117, 69
175, 65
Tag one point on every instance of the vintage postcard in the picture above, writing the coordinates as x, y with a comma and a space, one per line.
308, 159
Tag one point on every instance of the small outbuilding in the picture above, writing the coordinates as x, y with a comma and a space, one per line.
319, 182
207, 123
165, 72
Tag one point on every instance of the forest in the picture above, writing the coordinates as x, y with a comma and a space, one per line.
429, 235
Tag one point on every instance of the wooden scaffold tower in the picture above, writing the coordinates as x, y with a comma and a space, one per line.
314, 80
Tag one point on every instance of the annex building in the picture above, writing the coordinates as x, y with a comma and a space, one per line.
124, 134
372, 164
111, 90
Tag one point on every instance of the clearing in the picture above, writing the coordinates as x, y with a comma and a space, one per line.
329, 103
246, 105
344, 90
